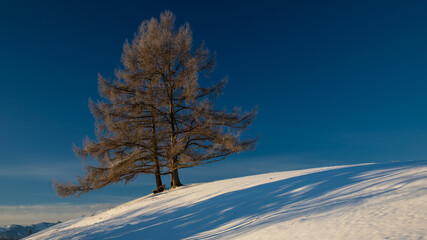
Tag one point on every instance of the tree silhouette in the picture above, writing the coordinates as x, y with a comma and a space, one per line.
155, 118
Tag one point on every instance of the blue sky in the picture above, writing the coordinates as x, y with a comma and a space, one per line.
336, 83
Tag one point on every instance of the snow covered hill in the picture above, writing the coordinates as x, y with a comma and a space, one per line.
369, 201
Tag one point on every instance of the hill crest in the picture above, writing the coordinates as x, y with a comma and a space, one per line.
367, 201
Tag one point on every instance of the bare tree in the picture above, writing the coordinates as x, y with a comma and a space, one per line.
156, 118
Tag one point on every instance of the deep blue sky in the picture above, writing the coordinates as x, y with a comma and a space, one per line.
336, 83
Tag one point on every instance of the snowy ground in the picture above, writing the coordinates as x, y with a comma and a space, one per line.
371, 201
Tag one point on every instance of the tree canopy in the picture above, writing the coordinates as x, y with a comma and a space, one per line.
154, 117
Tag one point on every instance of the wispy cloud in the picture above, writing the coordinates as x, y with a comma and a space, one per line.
42, 170
31, 214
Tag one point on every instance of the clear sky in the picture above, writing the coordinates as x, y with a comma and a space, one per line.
336, 82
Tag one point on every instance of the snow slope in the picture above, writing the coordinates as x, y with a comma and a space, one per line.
369, 201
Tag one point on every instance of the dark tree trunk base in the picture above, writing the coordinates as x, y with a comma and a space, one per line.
175, 181
159, 189
158, 180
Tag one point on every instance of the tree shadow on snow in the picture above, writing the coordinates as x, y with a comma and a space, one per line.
284, 200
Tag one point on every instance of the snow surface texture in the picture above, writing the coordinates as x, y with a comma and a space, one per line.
368, 201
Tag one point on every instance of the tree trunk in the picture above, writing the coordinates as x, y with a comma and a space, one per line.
175, 182
158, 179
154, 144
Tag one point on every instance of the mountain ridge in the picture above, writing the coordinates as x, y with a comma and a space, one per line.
16, 231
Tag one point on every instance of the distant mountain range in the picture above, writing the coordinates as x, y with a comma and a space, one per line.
14, 232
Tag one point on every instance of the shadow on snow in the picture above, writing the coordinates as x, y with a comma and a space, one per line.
283, 200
